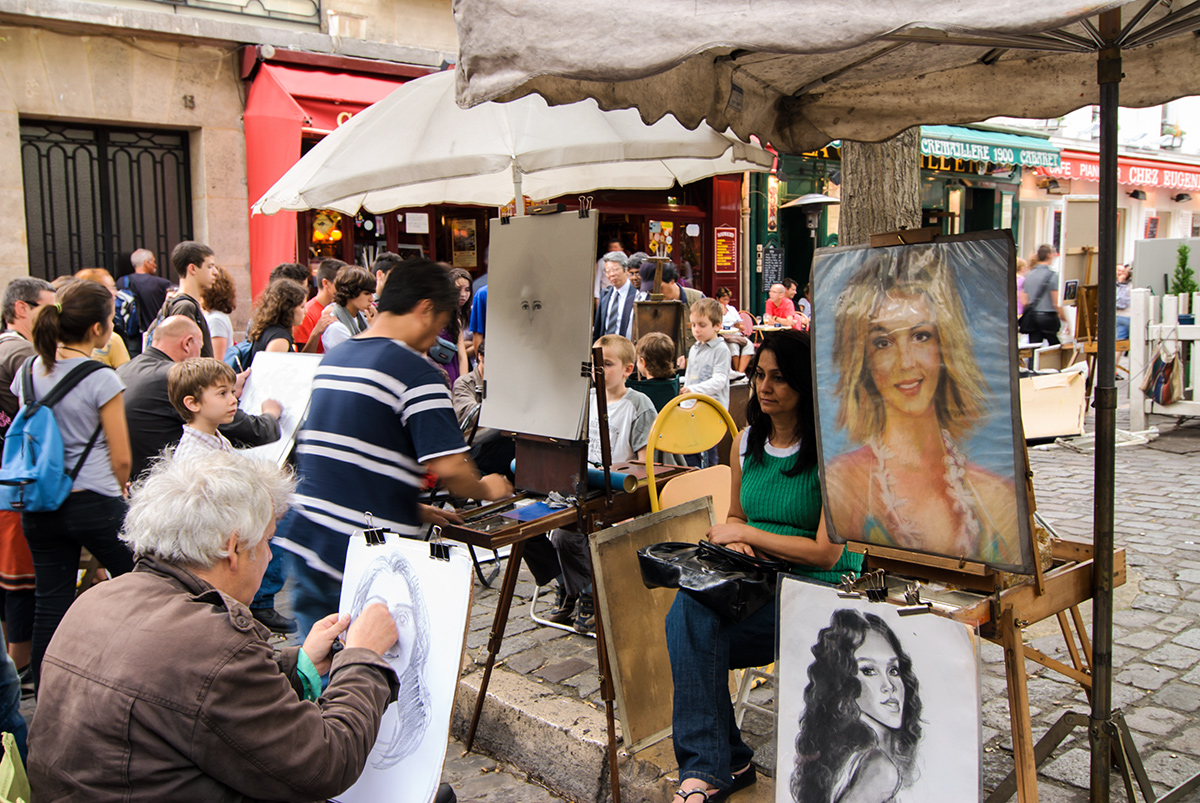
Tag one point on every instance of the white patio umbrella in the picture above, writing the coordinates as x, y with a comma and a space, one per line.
417, 147
800, 74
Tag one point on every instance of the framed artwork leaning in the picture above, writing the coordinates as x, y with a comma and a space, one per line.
918, 413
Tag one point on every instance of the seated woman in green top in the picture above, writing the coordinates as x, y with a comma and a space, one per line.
776, 511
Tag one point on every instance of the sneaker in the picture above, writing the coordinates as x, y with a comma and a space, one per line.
585, 620
26, 678
274, 620
564, 607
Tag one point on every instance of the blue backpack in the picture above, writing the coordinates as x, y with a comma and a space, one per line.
237, 356
126, 319
33, 476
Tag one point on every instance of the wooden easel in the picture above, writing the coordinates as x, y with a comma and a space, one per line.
1087, 328
659, 315
545, 465
1004, 614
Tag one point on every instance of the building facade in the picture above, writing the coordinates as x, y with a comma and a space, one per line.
122, 125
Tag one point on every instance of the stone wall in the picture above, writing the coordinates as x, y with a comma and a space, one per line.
103, 79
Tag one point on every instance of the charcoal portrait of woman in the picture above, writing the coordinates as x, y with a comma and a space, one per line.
860, 729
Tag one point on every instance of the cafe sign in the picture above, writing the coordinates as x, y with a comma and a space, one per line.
987, 152
1136, 172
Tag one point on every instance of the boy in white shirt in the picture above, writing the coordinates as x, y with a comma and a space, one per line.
630, 417
707, 366
201, 390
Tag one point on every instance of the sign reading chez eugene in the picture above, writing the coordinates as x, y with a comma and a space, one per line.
1138, 172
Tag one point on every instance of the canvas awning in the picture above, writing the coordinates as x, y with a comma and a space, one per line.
799, 75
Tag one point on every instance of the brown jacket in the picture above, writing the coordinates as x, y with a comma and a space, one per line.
158, 687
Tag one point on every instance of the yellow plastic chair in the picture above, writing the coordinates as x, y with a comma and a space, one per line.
689, 430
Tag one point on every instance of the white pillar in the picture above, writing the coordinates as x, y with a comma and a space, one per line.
1139, 321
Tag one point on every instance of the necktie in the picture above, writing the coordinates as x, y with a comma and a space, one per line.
614, 309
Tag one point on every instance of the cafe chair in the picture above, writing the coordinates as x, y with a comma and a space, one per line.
687, 430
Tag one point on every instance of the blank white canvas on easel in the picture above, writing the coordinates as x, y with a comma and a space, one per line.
539, 324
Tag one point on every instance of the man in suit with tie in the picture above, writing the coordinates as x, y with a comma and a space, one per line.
614, 313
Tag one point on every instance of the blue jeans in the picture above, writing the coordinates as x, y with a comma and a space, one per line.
315, 594
11, 720
1122, 327
272, 581
703, 648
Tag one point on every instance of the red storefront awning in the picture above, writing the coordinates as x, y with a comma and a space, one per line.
1082, 166
283, 102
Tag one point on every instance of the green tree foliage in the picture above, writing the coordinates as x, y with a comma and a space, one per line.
1184, 279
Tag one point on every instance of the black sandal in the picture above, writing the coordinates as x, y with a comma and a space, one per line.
741, 780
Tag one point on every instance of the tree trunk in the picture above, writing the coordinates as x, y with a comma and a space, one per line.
881, 187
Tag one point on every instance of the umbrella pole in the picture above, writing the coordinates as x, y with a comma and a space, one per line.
1101, 728
518, 193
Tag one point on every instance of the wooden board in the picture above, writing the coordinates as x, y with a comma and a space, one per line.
635, 637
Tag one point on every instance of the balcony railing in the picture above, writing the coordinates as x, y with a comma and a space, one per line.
304, 11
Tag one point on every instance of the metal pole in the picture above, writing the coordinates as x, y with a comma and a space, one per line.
1108, 73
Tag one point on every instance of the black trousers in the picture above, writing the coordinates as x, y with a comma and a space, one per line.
86, 519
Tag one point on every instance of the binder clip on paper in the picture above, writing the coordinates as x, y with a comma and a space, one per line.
376, 536
439, 548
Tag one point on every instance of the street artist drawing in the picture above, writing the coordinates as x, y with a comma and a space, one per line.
919, 446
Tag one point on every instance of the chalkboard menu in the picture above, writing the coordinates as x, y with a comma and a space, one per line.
772, 266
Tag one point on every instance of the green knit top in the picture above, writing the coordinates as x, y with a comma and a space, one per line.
786, 505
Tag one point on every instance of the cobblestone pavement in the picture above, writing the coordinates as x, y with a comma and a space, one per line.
1157, 643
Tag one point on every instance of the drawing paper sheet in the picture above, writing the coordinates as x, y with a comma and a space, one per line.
937, 673
286, 378
539, 324
431, 600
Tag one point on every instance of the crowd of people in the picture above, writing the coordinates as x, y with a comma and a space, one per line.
185, 527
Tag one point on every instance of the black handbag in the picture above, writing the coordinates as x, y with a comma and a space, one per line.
730, 583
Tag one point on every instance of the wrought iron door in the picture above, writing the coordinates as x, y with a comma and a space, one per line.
94, 194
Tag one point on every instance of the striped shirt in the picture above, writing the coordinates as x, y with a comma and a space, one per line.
379, 412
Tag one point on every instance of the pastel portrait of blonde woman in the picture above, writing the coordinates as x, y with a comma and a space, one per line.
909, 394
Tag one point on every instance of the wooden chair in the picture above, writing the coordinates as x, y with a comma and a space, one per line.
686, 430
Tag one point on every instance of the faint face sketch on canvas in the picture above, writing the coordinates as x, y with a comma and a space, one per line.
530, 307
390, 580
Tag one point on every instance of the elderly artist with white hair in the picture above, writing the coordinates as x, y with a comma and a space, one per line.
160, 685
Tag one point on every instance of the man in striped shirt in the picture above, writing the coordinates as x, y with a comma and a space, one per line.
379, 419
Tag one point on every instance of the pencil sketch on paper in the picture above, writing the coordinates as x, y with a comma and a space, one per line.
873, 706
429, 600
288, 379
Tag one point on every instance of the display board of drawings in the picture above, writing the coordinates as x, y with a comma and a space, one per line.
430, 599
288, 379
874, 706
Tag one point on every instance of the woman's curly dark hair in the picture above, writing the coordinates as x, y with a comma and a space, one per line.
276, 306
221, 295
831, 728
